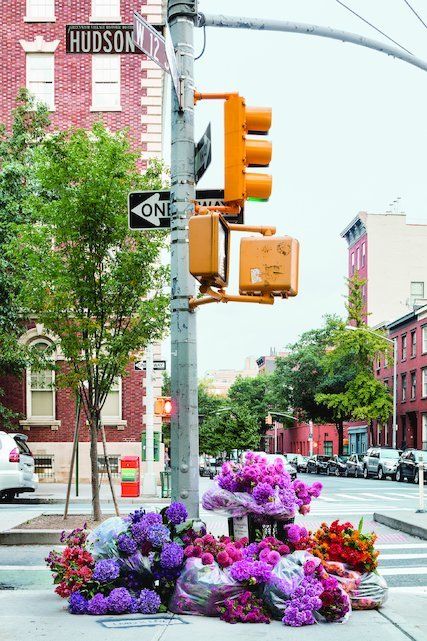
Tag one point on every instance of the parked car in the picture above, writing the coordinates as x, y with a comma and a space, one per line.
354, 465
381, 462
291, 469
408, 466
208, 467
299, 461
16, 466
337, 465
317, 464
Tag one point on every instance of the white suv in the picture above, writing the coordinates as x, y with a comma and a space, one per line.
16, 466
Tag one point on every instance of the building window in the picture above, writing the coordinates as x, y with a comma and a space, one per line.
424, 382
40, 11
424, 431
413, 343
41, 392
357, 258
105, 11
114, 461
413, 385
403, 388
352, 263
417, 291
404, 343
112, 409
363, 254
424, 337
40, 77
44, 466
156, 445
105, 83
328, 448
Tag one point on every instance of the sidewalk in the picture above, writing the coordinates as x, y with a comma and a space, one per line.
56, 492
410, 522
42, 615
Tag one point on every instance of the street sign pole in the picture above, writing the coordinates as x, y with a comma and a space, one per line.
184, 419
148, 479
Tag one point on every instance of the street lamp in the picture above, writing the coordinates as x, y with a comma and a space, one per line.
394, 343
272, 412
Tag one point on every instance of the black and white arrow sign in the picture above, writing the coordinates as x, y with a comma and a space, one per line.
203, 155
141, 366
151, 209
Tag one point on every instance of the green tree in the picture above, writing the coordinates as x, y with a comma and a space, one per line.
94, 284
254, 395
17, 147
230, 428
363, 397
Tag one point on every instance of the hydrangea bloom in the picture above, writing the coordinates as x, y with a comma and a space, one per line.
176, 513
97, 605
106, 570
77, 603
120, 601
126, 544
263, 492
158, 535
171, 556
148, 602
140, 528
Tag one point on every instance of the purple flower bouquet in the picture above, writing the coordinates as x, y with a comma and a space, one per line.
259, 488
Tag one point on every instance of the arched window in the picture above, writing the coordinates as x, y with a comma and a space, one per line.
40, 389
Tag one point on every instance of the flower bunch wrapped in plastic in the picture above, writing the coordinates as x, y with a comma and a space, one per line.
73, 567
209, 549
344, 543
119, 601
244, 608
367, 591
269, 550
260, 488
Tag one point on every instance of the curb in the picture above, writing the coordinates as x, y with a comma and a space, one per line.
403, 526
31, 537
77, 501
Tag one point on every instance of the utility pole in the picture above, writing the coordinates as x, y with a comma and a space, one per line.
149, 480
184, 419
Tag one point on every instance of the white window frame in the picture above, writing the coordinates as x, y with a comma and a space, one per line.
38, 418
424, 430
413, 383
99, 16
424, 338
363, 254
424, 382
97, 106
48, 17
114, 420
31, 56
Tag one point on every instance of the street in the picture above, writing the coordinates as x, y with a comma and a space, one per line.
24, 580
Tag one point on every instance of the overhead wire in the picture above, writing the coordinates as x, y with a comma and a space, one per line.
204, 45
414, 12
373, 27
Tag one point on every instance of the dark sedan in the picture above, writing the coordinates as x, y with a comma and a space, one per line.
409, 465
337, 465
317, 464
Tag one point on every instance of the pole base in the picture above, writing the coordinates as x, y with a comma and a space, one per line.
420, 511
149, 485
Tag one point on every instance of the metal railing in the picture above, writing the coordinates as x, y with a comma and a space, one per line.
44, 466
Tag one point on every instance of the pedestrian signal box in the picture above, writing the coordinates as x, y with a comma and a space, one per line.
163, 406
269, 265
209, 242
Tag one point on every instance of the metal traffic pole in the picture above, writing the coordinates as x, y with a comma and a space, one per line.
184, 419
421, 484
149, 487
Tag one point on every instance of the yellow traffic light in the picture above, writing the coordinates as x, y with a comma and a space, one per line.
269, 265
209, 246
163, 406
241, 152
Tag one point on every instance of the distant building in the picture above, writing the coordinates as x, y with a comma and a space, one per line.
391, 255
267, 364
219, 381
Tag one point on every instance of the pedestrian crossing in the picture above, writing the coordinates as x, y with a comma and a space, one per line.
404, 566
359, 503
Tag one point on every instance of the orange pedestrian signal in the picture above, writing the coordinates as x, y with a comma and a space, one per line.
269, 265
209, 247
163, 406
242, 152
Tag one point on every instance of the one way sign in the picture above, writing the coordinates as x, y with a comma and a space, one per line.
151, 209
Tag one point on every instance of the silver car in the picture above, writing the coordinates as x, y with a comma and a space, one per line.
16, 466
381, 462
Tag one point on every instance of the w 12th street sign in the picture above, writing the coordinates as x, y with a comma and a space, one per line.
151, 209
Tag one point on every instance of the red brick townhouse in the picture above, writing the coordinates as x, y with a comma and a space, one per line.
124, 91
410, 331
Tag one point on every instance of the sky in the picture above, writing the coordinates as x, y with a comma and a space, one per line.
349, 134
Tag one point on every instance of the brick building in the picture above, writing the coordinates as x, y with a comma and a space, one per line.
410, 332
125, 91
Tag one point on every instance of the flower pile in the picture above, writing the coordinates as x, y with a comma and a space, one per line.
209, 549
346, 544
245, 608
260, 488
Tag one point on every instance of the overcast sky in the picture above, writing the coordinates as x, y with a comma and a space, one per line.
349, 133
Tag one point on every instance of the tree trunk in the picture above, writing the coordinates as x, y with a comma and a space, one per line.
371, 430
107, 465
96, 505
340, 430
73, 455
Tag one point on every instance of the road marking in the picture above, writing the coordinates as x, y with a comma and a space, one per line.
393, 557
403, 570
409, 589
10, 568
327, 499
399, 546
377, 496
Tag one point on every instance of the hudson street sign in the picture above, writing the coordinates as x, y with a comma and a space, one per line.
101, 38
141, 366
151, 209
203, 155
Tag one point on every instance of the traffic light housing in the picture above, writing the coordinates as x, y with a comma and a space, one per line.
242, 152
163, 406
209, 248
269, 265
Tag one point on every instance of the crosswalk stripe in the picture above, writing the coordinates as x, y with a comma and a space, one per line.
327, 499
408, 589
399, 546
403, 570
25, 568
393, 557
377, 496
